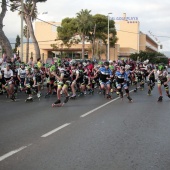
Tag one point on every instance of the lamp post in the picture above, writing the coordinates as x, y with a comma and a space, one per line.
22, 16
108, 42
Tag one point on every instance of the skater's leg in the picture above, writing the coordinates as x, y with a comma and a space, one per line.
107, 87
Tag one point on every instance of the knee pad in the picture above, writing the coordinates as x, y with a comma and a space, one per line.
48, 85
166, 87
142, 82
149, 83
119, 90
28, 91
127, 90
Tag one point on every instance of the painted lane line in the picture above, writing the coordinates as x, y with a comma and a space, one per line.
55, 130
13, 152
97, 108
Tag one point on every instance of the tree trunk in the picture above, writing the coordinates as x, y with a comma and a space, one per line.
83, 45
31, 31
93, 41
4, 42
27, 55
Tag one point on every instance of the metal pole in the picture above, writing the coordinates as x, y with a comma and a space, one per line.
22, 16
138, 36
108, 44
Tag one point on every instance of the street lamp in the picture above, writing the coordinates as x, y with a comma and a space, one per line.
108, 43
22, 17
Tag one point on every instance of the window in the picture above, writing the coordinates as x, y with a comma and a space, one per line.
54, 28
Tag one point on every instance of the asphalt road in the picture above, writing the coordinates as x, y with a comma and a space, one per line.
89, 133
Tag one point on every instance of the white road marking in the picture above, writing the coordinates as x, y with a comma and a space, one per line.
13, 152
97, 108
55, 130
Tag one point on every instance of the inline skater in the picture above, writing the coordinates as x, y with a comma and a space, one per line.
81, 84
105, 75
150, 78
121, 82
163, 79
50, 79
21, 76
38, 80
63, 82
2, 82
128, 72
15, 78
74, 75
139, 77
8, 76
29, 82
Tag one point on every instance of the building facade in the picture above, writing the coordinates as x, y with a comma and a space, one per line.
130, 40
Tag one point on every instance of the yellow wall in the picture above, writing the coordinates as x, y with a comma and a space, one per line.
147, 44
127, 34
46, 32
142, 45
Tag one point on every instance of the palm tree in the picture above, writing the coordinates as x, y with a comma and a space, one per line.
27, 35
30, 14
84, 24
28, 6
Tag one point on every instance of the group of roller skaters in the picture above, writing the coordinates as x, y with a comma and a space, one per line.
73, 78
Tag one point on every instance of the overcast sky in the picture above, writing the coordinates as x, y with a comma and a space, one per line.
154, 15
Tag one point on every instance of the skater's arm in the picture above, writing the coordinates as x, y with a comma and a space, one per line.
77, 75
150, 73
57, 77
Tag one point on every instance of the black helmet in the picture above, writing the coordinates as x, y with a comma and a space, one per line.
66, 64
122, 68
74, 64
106, 63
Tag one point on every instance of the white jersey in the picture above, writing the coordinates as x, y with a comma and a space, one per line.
163, 74
21, 73
8, 74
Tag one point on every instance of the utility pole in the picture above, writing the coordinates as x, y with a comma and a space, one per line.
22, 17
108, 43
94, 34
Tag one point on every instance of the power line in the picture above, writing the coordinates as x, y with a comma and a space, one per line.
37, 41
28, 14
140, 33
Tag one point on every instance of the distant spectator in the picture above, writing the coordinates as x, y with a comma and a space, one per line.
30, 62
39, 63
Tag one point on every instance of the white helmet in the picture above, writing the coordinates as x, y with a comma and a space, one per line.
146, 62
127, 67
72, 62
84, 64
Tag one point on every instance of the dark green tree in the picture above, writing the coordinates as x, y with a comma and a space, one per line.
153, 57
84, 24
101, 30
17, 43
67, 32
86, 27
